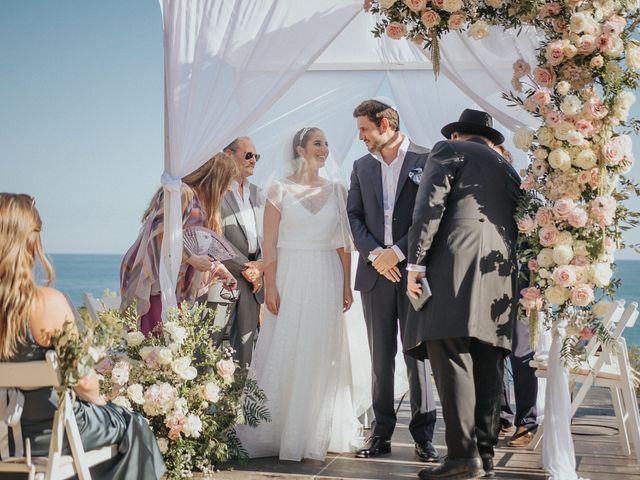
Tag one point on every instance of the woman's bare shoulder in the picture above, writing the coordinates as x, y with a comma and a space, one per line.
50, 311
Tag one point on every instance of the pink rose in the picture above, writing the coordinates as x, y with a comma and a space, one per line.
560, 25
581, 296
528, 182
396, 30
416, 5
554, 118
544, 76
594, 107
533, 265
603, 209
367, 5
531, 293
580, 261
577, 218
549, 10
175, 424
541, 97
562, 207
564, 276
521, 68
430, 18
554, 52
614, 151
609, 244
225, 368
526, 225
456, 21
605, 42
584, 177
585, 332
586, 44
105, 367
585, 127
437, 3
548, 236
614, 26
544, 217
531, 299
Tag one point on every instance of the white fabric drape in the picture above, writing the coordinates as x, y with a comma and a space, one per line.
226, 63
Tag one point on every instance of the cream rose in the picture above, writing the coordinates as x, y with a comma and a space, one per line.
225, 368
601, 274
430, 18
478, 30
570, 105
594, 107
495, 3
601, 308
165, 355
556, 295
545, 258
182, 367
559, 159
580, 247
614, 48
211, 392
562, 87
545, 136
563, 129
564, 238
586, 159
456, 21
177, 333
562, 254
387, 4
539, 167
135, 393
523, 138
632, 56
452, 5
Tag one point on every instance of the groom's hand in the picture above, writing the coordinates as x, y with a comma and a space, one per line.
413, 284
385, 261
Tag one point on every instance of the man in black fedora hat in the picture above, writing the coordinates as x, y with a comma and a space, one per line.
463, 239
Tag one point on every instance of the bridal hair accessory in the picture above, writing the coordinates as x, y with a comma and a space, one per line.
386, 101
415, 175
303, 132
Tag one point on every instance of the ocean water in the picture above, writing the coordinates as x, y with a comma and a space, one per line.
76, 274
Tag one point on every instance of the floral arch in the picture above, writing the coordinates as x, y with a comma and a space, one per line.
572, 215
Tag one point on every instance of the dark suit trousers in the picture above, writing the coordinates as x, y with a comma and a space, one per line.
525, 382
385, 306
468, 375
245, 313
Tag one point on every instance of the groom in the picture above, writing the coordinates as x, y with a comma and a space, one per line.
380, 201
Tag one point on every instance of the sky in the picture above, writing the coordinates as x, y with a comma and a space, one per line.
81, 117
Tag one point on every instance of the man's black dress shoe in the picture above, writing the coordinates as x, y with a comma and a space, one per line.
487, 466
454, 468
373, 447
427, 452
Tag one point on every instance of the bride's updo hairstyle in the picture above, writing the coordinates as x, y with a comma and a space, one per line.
301, 138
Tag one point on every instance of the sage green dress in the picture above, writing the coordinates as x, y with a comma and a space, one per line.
139, 456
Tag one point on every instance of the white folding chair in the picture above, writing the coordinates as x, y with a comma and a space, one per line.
109, 301
17, 376
609, 368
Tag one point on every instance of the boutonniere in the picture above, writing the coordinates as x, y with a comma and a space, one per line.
415, 175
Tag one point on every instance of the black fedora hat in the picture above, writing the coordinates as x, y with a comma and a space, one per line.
474, 121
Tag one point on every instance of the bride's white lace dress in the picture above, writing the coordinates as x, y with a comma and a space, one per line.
302, 357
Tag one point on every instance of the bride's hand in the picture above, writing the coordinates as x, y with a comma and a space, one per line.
347, 298
272, 300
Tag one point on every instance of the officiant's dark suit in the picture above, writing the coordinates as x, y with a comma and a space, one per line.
464, 234
385, 303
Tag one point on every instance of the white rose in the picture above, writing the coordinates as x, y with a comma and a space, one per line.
556, 295
562, 254
544, 273
541, 153
601, 274
615, 49
163, 445
571, 105
182, 367
478, 30
177, 333
120, 373
562, 87
559, 159
146, 351
545, 136
575, 138
632, 56
211, 392
625, 100
545, 258
181, 406
122, 402
523, 138
601, 308
135, 393
452, 5
582, 22
192, 426
134, 339
165, 356
586, 159
564, 238
580, 248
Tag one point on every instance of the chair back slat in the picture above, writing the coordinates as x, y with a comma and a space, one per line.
27, 375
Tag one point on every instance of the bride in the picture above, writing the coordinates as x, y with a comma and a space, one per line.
302, 357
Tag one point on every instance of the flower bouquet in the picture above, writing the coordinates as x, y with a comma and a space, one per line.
190, 391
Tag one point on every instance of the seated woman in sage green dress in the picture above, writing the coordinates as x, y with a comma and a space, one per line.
28, 316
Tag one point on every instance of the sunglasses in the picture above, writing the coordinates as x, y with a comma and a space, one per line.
229, 295
250, 155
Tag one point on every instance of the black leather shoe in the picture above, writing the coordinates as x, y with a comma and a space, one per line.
454, 468
427, 452
487, 466
373, 447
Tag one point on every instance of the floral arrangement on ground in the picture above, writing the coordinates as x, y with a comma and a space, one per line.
572, 215
192, 393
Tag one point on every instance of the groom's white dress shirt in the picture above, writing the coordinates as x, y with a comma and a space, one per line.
246, 213
390, 176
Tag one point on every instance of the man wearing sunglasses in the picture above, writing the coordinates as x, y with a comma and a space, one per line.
240, 214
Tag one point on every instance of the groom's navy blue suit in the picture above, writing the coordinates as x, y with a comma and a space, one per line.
385, 303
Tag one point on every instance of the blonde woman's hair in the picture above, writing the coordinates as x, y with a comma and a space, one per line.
210, 183
20, 246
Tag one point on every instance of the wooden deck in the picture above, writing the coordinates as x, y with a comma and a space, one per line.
594, 432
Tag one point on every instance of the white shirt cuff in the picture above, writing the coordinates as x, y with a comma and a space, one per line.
372, 257
416, 268
399, 253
